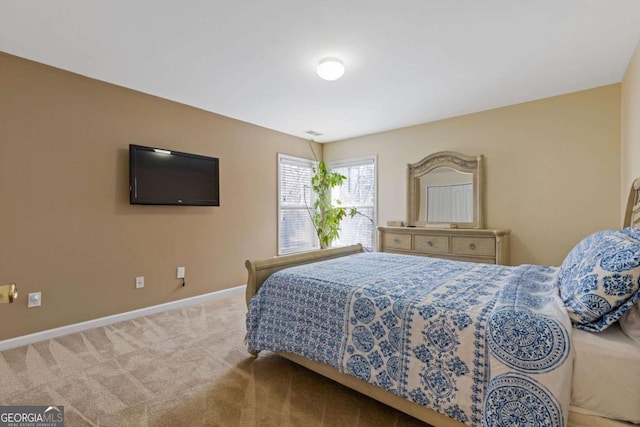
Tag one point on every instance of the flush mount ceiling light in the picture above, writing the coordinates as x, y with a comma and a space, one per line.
330, 68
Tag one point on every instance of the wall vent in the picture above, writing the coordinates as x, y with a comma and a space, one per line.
312, 133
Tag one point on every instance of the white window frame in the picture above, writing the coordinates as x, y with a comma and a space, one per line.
360, 161
312, 164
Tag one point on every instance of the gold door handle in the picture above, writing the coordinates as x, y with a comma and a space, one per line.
8, 293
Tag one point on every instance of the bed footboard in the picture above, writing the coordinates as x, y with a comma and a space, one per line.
259, 270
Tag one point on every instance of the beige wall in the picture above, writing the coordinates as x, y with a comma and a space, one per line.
66, 226
552, 167
67, 229
630, 126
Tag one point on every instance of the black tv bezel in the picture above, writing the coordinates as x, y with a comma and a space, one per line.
133, 148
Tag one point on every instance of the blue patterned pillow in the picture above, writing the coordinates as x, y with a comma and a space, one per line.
599, 278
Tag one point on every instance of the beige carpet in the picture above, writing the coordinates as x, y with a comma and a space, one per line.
185, 367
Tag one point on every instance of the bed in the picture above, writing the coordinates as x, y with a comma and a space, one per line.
454, 343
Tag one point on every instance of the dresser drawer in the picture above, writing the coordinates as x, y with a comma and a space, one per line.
396, 241
473, 246
431, 244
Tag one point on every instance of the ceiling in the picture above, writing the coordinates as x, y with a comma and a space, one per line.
408, 61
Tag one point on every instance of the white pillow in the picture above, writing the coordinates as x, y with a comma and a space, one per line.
630, 323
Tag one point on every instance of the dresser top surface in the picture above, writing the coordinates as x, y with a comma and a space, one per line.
447, 231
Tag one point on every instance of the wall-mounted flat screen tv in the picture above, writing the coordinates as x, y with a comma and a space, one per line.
166, 177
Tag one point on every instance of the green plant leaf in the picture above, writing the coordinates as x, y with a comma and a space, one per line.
326, 218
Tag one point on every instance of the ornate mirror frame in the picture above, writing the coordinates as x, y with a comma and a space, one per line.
453, 160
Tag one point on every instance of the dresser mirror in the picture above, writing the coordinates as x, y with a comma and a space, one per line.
445, 189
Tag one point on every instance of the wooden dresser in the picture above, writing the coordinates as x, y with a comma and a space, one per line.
471, 244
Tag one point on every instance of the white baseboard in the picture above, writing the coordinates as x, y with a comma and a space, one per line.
103, 321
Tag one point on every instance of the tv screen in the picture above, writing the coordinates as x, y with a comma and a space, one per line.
166, 177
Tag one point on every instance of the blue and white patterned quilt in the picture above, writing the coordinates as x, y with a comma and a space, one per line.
484, 344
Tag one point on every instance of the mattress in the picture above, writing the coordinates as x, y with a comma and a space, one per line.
606, 374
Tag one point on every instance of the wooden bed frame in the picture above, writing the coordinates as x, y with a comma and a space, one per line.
260, 270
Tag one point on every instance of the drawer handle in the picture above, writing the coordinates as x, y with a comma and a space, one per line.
396, 240
429, 243
472, 246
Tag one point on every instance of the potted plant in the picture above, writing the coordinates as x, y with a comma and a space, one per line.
326, 216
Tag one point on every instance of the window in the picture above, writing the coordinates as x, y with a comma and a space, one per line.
295, 201
358, 190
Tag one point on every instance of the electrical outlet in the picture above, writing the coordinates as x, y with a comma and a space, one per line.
180, 273
139, 282
34, 299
